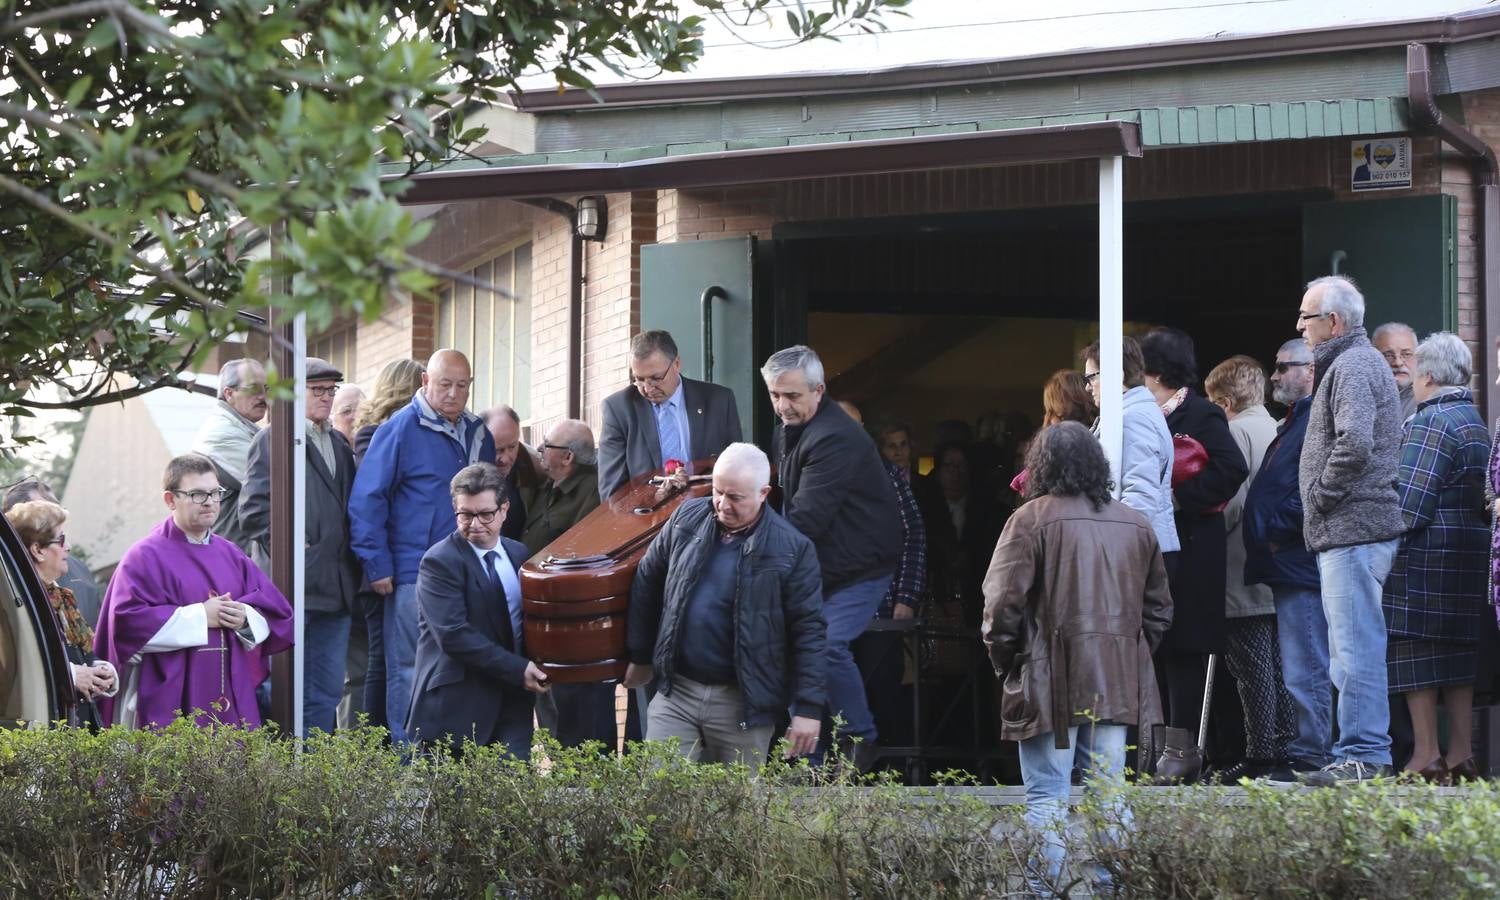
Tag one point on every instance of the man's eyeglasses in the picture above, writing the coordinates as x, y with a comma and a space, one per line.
1405, 356
1303, 317
253, 389
322, 390
653, 380
1090, 378
202, 498
1283, 367
563, 447
485, 516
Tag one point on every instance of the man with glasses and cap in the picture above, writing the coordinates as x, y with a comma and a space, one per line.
188, 620
330, 569
661, 416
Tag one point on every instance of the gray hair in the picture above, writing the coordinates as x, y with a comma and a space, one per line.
800, 358
471, 481
747, 458
232, 375
1391, 328
1444, 358
580, 441
643, 345
1296, 350
1340, 296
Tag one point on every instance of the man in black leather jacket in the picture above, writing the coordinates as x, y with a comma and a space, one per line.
725, 611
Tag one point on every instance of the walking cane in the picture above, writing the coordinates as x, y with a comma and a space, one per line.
1208, 698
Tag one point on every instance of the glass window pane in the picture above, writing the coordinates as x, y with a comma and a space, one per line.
521, 339
445, 318
482, 357
463, 319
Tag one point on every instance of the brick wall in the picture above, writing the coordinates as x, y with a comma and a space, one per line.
1481, 116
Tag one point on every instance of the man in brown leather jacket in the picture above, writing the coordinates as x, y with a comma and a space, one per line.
1076, 600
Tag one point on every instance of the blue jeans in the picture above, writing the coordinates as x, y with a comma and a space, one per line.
1302, 635
848, 612
400, 630
1047, 773
1352, 579
325, 647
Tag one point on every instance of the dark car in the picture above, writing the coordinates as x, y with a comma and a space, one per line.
36, 685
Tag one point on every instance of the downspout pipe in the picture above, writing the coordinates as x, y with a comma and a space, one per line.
575, 299
1428, 118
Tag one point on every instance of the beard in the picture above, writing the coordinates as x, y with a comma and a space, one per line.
1287, 394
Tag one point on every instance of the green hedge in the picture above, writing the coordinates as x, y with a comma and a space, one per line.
195, 813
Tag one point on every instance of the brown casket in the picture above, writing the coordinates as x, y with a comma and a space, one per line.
574, 592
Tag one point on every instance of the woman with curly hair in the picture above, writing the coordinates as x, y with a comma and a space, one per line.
1076, 600
39, 524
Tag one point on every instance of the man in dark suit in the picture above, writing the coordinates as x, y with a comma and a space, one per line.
661, 416
472, 679
331, 572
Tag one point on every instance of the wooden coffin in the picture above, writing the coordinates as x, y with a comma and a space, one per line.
574, 592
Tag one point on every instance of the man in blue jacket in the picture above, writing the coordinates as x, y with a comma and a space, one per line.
400, 506
1276, 556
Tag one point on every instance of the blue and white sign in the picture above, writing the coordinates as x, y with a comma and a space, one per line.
1380, 164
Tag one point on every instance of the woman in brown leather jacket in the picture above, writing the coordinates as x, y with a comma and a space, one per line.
1076, 600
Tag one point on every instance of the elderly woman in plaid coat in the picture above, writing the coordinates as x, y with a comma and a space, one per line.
1435, 598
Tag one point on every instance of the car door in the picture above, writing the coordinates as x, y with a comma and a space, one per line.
36, 684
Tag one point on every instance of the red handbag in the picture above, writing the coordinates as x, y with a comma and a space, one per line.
1189, 459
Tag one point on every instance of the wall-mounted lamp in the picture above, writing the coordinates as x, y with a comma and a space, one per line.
592, 218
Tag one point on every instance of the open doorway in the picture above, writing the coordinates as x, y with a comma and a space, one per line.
951, 325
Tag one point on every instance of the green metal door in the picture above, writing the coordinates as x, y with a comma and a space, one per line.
1401, 252
703, 293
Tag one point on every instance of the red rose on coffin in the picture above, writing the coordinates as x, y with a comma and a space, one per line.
672, 465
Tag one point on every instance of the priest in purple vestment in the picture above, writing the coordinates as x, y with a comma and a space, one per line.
188, 620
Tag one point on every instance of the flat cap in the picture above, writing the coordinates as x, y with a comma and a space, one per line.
322, 370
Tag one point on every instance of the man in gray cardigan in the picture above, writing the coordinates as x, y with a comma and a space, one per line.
1351, 518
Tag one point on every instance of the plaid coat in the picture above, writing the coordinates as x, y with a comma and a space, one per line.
1437, 586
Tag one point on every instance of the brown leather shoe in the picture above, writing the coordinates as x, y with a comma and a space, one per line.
1467, 770
1436, 772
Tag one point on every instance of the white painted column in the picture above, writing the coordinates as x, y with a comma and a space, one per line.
299, 517
1111, 307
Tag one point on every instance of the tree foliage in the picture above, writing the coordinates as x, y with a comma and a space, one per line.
148, 144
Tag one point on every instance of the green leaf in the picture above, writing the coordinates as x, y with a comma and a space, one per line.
103, 35
77, 91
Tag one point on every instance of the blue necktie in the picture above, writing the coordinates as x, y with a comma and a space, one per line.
671, 438
490, 559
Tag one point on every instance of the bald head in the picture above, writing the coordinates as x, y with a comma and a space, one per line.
346, 403
505, 427
852, 410
446, 383
569, 444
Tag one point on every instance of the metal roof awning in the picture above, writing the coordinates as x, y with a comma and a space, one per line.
1089, 140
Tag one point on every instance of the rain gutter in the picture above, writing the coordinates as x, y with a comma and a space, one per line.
1444, 30
1426, 117
1089, 140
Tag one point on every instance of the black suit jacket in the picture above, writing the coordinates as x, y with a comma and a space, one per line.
628, 445
331, 571
469, 678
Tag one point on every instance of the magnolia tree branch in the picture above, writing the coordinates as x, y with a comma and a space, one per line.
116, 9
45, 204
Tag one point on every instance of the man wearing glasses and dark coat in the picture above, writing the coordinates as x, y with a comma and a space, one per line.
473, 680
188, 620
661, 416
